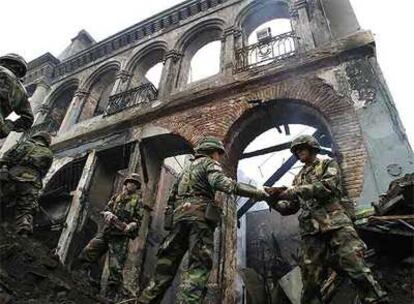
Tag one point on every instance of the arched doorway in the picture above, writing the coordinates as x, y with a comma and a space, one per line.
259, 141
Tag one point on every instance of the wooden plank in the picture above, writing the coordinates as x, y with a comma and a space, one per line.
76, 208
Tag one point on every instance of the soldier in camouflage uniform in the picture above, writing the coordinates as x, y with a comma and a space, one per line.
194, 222
13, 96
122, 217
327, 231
22, 170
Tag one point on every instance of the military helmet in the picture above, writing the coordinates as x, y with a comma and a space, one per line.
17, 59
210, 143
44, 135
305, 140
134, 178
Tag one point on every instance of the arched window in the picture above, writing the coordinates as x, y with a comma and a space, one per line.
148, 68
267, 34
270, 41
277, 27
98, 98
201, 48
59, 105
153, 75
205, 62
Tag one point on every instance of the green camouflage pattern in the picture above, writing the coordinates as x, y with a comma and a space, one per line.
128, 208
209, 143
345, 252
195, 237
328, 236
194, 190
197, 185
13, 98
117, 249
27, 163
317, 190
307, 140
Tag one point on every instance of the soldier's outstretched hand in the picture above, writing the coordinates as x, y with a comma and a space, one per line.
275, 191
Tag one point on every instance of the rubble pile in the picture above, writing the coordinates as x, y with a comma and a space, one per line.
388, 230
388, 227
29, 274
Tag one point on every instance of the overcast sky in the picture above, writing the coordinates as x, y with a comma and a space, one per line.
32, 28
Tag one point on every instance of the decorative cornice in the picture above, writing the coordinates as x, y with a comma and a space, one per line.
298, 4
81, 93
45, 58
163, 21
234, 31
124, 75
174, 55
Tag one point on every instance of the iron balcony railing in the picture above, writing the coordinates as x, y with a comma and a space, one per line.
143, 94
275, 49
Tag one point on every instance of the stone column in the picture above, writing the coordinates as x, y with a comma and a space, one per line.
74, 110
301, 25
39, 95
121, 82
76, 208
231, 41
169, 73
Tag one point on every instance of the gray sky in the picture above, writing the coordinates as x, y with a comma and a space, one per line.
32, 28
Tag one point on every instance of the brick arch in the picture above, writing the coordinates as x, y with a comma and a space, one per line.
224, 119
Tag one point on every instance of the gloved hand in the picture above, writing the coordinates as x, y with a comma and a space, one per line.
4, 173
131, 227
275, 191
108, 217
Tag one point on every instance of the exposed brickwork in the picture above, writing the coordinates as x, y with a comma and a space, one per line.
220, 117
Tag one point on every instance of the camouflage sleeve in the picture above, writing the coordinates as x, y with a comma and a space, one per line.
218, 180
328, 184
25, 121
15, 154
4, 87
110, 206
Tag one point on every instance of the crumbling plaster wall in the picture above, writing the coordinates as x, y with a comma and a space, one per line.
389, 153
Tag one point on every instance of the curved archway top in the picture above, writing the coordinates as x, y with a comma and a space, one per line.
258, 12
61, 88
215, 25
145, 52
88, 83
274, 113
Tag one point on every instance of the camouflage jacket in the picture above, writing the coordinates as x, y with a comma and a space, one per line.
317, 190
13, 97
197, 185
128, 208
28, 161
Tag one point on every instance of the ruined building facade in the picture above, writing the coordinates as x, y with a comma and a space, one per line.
108, 119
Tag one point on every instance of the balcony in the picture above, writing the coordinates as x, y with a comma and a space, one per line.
143, 94
273, 50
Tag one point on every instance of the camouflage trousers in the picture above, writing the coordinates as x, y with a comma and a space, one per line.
196, 237
343, 251
117, 248
23, 196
